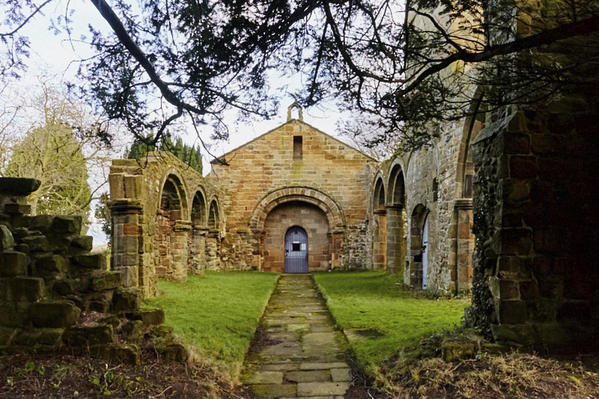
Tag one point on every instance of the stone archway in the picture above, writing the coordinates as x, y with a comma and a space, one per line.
418, 222
172, 235
396, 220
379, 242
319, 206
213, 237
199, 229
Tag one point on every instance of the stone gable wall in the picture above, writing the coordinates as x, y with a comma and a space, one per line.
329, 173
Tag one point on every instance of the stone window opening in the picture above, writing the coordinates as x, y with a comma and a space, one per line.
297, 147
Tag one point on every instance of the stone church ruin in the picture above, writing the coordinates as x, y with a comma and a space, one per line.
502, 204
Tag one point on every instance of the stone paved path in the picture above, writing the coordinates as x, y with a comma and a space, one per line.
303, 355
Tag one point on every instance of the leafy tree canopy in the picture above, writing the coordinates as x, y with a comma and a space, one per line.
53, 155
404, 66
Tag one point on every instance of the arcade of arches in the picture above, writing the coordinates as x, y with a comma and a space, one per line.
296, 199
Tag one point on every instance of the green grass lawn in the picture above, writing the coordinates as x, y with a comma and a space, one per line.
217, 313
389, 316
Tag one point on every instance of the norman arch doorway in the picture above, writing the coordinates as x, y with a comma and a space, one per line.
296, 250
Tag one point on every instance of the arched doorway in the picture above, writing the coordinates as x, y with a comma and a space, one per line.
425, 252
379, 243
282, 224
296, 250
197, 245
172, 237
396, 222
419, 247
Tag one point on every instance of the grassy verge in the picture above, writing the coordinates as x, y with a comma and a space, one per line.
379, 317
217, 313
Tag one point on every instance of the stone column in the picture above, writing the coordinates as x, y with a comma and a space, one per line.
464, 245
127, 240
197, 250
179, 249
212, 250
396, 242
379, 250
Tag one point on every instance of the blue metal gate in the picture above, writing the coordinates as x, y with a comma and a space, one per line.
296, 250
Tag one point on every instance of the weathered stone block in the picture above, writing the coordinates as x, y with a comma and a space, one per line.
28, 289
458, 349
55, 314
7, 241
133, 330
39, 336
10, 316
37, 243
17, 209
13, 263
106, 281
66, 224
126, 299
522, 334
7, 334
40, 222
83, 243
149, 317
51, 265
118, 353
90, 261
161, 332
89, 336
512, 312
173, 351
63, 287
18, 186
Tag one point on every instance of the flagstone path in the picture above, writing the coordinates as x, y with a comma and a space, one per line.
301, 354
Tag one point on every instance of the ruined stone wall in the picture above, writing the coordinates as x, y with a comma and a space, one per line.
55, 295
536, 222
161, 226
264, 173
431, 180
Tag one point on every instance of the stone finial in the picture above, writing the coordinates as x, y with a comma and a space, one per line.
300, 115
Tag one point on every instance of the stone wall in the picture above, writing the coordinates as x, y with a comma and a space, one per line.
166, 221
267, 172
428, 185
55, 295
536, 222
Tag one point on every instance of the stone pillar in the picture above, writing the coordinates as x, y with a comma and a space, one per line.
396, 241
212, 250
336, 239
379, 250
179, 249
127, 240
197, 250
464, 245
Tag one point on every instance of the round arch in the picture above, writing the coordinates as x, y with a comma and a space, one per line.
199, 215
378, 197
396, 184
172, 179
214, 215
331, 209
472, 126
